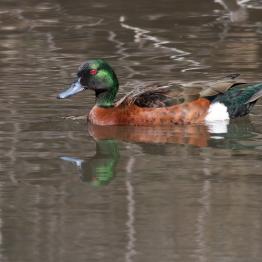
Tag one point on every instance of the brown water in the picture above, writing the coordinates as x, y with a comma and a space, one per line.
73, 192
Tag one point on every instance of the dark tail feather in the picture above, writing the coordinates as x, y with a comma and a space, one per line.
255, 97
240, 99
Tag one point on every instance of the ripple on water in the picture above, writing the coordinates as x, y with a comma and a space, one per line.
70, 191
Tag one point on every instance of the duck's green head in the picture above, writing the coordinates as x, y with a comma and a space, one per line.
97, 75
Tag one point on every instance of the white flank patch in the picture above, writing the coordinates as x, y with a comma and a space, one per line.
217, 118
217, 112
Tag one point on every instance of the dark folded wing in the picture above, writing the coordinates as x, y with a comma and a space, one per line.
177, 92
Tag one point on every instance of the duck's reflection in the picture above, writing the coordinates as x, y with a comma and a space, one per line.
196, 135
101, 168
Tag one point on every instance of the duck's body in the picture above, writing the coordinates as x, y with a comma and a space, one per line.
131, 114
163, 106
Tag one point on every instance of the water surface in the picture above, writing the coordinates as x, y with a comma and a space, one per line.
70, 191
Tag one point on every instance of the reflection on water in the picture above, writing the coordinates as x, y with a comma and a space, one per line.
101, 168
157, 195
237, 12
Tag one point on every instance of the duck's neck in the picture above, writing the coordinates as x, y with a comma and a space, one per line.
106, 98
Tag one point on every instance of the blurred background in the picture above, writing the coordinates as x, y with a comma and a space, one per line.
74, 192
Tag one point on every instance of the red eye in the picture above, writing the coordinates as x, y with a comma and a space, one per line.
93, 72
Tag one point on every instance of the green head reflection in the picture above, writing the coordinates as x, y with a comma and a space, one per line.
100, 169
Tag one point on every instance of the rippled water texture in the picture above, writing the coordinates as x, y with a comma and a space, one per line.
70, 191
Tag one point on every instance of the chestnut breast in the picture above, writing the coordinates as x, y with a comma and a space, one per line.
130, 114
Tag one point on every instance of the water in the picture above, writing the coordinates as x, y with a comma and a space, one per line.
70, 191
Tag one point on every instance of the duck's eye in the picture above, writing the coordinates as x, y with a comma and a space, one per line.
93, 72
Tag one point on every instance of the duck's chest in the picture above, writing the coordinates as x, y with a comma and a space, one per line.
121, 115
103, 116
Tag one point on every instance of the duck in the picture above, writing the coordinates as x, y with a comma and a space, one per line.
162, 105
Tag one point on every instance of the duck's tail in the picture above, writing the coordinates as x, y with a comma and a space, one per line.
240, 99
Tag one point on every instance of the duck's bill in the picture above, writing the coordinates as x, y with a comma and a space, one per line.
75, 88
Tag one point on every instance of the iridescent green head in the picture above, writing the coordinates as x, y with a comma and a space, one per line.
97, 75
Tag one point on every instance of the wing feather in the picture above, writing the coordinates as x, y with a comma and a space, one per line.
177, 92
